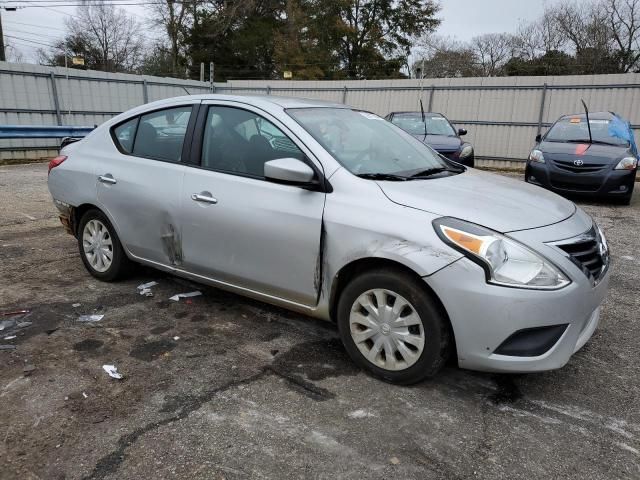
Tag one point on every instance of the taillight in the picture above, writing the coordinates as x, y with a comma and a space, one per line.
56, 161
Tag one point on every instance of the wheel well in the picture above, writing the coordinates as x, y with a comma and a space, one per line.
357, 267
77, 213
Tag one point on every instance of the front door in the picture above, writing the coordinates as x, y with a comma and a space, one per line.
238, 227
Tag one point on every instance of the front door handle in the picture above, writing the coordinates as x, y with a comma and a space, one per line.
107, 178
198, 197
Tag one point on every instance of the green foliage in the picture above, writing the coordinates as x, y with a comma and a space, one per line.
314, 39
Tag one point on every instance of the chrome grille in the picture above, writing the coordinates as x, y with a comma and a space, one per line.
589, 252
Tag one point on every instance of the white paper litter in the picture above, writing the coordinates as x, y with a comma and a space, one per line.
178, 296
76, 305
85, 395
10, 337
90, 318
112, 370
145, 289
175, 338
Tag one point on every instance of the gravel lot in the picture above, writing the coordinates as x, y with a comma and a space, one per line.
224, 387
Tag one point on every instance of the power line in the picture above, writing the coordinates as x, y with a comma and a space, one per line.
34, 25
31, 41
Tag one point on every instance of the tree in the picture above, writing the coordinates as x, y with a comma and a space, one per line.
492, 51
108, 38
586, 28
367, 33
443, 57
175, 17
624, 24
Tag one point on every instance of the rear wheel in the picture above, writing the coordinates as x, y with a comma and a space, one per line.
100, 248
390, 325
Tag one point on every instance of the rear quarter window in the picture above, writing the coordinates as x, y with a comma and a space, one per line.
124, 134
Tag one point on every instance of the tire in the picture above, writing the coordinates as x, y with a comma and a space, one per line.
94, 226
408, 362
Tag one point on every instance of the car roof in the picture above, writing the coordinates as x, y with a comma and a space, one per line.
592, 116
410, 112
258, 100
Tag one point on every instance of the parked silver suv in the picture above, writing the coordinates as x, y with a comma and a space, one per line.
338, 214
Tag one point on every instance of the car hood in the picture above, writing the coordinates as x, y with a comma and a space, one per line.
494, 201
588, 153
440, 143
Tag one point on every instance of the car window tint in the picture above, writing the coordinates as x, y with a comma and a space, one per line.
241, 141
125, 133
161, 134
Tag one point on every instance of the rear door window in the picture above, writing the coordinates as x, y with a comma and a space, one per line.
161, 134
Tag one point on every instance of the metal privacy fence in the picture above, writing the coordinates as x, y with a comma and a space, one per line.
502, 114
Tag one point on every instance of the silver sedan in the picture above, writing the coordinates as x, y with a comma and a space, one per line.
333, 212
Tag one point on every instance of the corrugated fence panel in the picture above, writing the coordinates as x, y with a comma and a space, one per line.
502, 115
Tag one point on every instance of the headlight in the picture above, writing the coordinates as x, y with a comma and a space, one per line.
466, 151
505, 261
628, 163
536, 156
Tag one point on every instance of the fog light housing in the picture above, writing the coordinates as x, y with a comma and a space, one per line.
531, 342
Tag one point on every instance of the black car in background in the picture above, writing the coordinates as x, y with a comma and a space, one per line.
570, 160
437, 132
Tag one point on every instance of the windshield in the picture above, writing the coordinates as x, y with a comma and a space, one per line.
574, 129
365, 143
413, 124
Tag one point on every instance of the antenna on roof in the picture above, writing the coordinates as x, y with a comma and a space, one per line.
424, 121
185, 89
586, 111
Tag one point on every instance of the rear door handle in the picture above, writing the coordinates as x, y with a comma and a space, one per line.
107, 178
198, 197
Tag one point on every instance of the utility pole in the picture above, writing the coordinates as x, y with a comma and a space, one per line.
2, 56
202, 72
211, 74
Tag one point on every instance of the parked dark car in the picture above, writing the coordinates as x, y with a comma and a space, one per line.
439, 134
566, 161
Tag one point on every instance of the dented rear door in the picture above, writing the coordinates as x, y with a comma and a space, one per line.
140, 189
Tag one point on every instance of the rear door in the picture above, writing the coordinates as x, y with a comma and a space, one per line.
238, 227
139, 184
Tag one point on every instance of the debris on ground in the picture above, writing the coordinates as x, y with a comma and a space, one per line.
112, 370
10, 337
7, 347
178, 296
394, 460
7, 324
90, 318
176, 338
76, 305
12, 314
28, 370
145, 289
85, 395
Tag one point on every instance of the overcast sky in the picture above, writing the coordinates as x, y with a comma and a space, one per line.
461, 19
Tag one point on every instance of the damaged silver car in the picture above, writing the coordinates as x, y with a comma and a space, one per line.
335, 213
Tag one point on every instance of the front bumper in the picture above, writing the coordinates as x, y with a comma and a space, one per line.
605, 183
483, 316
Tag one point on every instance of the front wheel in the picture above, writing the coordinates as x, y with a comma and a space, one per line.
391, 326
100, 248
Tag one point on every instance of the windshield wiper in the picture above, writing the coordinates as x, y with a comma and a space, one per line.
599, 142
432, 171
383, 176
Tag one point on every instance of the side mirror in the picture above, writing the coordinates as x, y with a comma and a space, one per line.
289, 170
462, 132
538, 138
